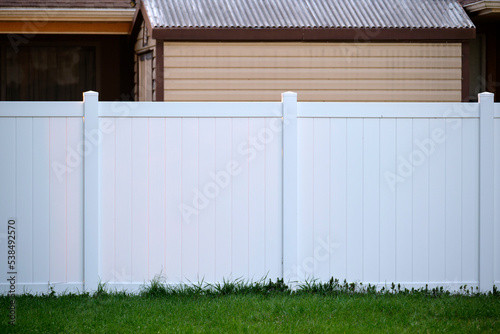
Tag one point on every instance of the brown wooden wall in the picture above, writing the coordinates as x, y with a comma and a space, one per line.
147, 82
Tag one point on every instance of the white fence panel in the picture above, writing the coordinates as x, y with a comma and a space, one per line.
402, 192
41, 177
197, 195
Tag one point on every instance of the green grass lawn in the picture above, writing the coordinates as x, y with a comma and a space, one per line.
249, 311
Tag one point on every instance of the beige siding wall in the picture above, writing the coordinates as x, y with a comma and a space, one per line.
142, 47
317, 71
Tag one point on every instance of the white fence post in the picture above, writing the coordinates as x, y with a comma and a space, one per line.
486, 191
289, 100
91, 139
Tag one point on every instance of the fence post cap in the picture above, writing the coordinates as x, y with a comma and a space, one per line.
90, 92
288, 94
485, 95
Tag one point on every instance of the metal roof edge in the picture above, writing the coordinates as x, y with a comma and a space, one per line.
314, 34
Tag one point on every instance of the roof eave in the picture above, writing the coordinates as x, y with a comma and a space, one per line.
313, 34
67, 14
483, 7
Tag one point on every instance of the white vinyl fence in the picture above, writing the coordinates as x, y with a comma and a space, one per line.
119, 192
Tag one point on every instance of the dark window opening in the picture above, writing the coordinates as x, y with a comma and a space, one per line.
477, 64
47, 73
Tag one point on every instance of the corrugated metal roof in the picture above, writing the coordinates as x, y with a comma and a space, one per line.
307, 14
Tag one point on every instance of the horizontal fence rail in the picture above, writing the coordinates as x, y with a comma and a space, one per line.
41, 109
121, 192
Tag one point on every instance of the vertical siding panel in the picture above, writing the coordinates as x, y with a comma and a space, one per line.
190, 156
305, 233
223, 203
321, 189
470, 201
156, 171
41, 171
338, 190
240, 213
388, 183
123, 233
453, 200
273, 199
139, 208
174, 206
404, 222
437, 203
108, 206
256, 200
371, 200
8, 183
24, 198
208, 189
58, 200
354, 198
420, 160
75, 201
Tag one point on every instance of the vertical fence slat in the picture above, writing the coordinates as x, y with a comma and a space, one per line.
404, 139
453, 183
156, 195
173, 201
41, 170
338, 189
189, 241
305, 223
139, 208
24, 199
57, 198
74, 197
420, 233
486, 195
209, 192
123, 268
371, 200
388, 175
274, 199
437, 204
222, 177
321, 194
108, 204
470, 203
256, 200
354, 199
239, 201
